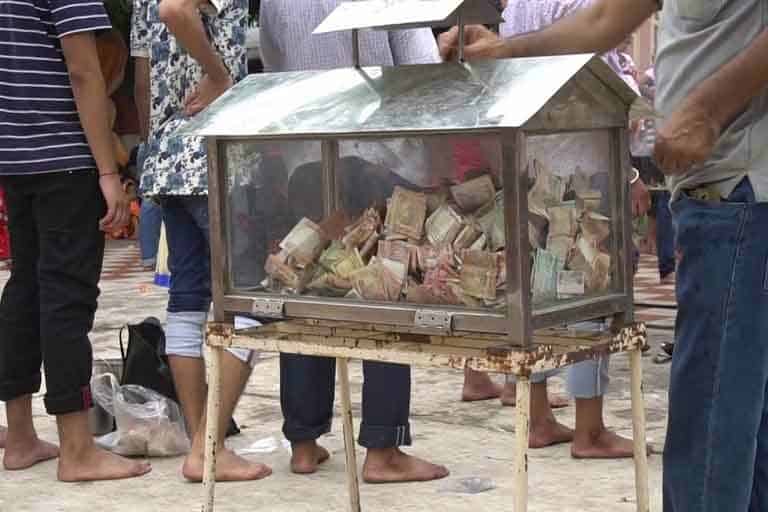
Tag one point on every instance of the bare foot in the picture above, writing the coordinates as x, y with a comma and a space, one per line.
229, 468
549, 433
509, 398
97, 464
602, 445
3, 433
479, 386
25, 454
393, 466
307, 456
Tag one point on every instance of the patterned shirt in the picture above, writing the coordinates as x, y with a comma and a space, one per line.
40, 130
178, 165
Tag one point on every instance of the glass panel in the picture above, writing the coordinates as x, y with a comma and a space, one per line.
570, 226
416, 220
258, 206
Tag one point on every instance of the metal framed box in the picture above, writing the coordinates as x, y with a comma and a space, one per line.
489, 197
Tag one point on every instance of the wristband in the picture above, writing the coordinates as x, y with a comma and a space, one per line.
635, 178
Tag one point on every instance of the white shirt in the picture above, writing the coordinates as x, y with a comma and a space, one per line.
287, 44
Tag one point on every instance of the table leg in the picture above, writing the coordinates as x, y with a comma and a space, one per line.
638, 425
349, 436
213, 363
522, 435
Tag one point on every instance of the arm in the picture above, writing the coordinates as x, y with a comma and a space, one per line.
90, 95
690, 134
141, 94
183, 20
597, 28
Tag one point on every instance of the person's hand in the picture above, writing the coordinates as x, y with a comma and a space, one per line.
207, 91
118, 208
479, 42
687, 138
641, 198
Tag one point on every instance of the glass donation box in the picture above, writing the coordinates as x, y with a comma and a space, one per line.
485, 198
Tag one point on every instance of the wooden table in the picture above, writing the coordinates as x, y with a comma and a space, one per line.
552, 349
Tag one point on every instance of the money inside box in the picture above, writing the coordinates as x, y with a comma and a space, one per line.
489, 197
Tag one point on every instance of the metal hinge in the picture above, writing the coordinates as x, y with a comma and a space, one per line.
433, 319
269, 308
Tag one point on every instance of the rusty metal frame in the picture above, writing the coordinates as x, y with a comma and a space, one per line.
344, 341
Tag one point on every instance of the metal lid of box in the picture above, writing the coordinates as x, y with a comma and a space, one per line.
543, 93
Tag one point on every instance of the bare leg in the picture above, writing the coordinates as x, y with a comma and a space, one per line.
23, 449
390, 465
189, 376
593, 440
82, 461
307, 456
3, 432
509, 397
545, 429
479, 386
229, 467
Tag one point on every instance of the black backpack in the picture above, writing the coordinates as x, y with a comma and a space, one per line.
145, 363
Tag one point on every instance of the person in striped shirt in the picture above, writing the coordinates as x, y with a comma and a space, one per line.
58, 170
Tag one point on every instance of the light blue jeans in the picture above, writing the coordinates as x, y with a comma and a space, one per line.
150, 220
585, 380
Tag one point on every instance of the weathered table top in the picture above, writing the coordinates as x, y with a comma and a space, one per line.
551, 348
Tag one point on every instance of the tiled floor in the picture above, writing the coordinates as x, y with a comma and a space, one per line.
121, 261
654, 302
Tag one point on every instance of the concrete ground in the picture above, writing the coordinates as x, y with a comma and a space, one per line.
472, 439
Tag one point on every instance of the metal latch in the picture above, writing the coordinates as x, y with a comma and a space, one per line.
270, 308
434, 319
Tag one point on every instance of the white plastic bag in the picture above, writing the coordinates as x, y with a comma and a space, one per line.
148, 424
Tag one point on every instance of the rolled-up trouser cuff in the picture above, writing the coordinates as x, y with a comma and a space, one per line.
81, 400
372, 436
297, 434
184, 337
13, 390
589, 379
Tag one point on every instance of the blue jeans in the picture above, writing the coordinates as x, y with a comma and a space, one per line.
665, 233
187, 232
150, 223
716, 455
150, 219
189, 260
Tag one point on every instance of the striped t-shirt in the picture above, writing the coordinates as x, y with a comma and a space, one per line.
40, 130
